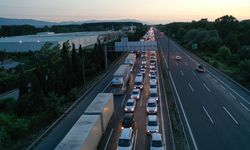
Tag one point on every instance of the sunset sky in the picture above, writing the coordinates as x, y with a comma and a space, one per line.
152, 11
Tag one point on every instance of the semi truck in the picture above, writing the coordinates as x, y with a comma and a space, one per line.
120, 79
102, 105
130, 60
84, 135
88, 130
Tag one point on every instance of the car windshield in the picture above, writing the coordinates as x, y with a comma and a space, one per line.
137, 83
135, 93
130, 103
151, 105
153, 95
156, 144
124, 142
152, 123
152, 77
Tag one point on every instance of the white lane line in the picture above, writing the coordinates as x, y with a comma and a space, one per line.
123, 100
230, 115
244, 106
206, 87
215, 80
223, 87
193, 72
182, 73
112, 130
135, 139
190, 87
184, 114
186, 63
230, 88
106, 87
232, 95
208, 115
176, 63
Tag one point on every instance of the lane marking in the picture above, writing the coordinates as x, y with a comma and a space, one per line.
232, 95
230, 88
106, 87
123, 100
206, 87
186, 64
193, 73
112, 130
244, 106
223, 87
176, 63
182, 73
215, 80
190, 87
135, 139
184, 114
230, 115
208, 115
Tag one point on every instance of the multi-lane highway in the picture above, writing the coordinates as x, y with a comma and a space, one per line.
214, 109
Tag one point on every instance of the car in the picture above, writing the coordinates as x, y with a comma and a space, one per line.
152, 62
178, 57
128, 120
151, 106
152, 125
200, 68
130, 105
153, 86
143, 66
156, 142
152, 74
144, 62
126, 139
135, 94
143, 71
153, 94
138, 81
152, 67
152, 70
153, 79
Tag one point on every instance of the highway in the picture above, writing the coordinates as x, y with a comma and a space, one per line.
214, 109
50, 141
109, 140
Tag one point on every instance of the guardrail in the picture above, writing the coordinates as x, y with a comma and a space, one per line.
94, 83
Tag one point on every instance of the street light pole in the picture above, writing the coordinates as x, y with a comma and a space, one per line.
168, 51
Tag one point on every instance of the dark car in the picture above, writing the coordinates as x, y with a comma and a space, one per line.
200, 68
128, 120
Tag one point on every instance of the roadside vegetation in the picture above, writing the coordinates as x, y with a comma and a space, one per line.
223, 43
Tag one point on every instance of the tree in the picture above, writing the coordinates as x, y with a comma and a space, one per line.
223, 53
245, 71
226, 24
232, 42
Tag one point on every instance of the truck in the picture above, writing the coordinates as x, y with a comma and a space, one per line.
102, 105
120, 79
130, 60
84, 135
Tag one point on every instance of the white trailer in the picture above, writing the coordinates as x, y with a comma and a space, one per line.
84, 135
120, 79
130, 60
102, 105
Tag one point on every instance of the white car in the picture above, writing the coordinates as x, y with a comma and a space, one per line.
126, 139
153, 70
153, 86
156, 142
178, 57
143, 62
135, 94
152, 125
143, 71
153, 94
152, 66
152, 74
152, 106
130, 105
153, 79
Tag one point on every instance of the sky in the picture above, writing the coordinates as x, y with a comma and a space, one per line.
151, 11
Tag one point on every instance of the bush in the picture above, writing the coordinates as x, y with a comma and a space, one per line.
72, 95
7, 104
223, 53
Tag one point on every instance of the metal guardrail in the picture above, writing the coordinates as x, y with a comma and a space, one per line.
33, 144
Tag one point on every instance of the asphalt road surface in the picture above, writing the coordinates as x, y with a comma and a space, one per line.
215, 110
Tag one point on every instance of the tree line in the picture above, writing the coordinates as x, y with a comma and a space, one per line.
224, 43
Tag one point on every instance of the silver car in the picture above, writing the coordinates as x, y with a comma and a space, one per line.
130, 105
152, 124
156, 142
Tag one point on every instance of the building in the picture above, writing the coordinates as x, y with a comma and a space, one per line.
35, 42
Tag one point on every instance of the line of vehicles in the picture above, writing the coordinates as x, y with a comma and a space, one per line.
127, 133
87, 132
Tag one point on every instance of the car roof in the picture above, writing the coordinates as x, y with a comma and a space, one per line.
156, 136
151, 100
131, 100
126, 133
153, 91
128, 115
137, 90
152, 117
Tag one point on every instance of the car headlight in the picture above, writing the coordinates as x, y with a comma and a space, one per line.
126, 109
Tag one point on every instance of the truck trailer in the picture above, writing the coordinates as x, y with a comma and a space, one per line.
120, 79
84, 135
130, 60
102, 105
